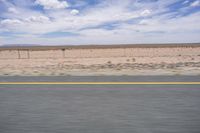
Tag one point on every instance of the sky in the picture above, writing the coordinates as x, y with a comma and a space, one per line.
79, 22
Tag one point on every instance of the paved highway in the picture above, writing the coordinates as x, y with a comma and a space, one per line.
99, 108
100, 79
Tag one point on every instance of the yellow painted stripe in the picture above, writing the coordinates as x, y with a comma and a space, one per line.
99, 83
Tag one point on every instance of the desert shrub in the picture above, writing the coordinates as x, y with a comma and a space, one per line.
133, 59
109, 62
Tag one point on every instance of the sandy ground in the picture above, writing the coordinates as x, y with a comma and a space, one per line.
155, 65
101, 61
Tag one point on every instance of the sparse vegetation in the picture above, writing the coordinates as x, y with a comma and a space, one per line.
133, 59
61, 74
52, 63
109, 62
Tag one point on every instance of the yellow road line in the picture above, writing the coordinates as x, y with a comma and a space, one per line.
99, 83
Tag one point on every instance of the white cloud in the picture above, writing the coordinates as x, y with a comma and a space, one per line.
66, 20
186, 2
38, 19
187, 25
139, 23
195, 3
144, 22
11, 22
13, 10
1, 41
74, 12
146, 12
52, 4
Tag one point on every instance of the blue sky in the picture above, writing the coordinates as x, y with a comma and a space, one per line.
79, 22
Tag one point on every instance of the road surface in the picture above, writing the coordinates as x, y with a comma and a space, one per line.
99, 109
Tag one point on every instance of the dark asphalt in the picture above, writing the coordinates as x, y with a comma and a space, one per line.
100, 79
99, 109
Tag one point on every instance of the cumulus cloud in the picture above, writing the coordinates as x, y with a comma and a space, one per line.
105, 22
68, 20
74, 12
146, 12
195, 3
52, 4
38, 19
185, 2
11, 22
144, 22
13, 10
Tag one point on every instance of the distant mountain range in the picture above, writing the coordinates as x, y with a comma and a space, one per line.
45, 46
19, 45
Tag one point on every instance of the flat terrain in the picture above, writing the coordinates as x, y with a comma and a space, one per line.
97, 109
101, 60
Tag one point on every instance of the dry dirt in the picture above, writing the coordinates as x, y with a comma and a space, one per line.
99, 61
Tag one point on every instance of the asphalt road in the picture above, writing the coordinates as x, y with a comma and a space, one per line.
100, 108
100, 78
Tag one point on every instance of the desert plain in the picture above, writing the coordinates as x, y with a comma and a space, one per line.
98, 60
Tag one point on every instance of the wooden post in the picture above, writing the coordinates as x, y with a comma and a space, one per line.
124, 52
80, 53
18, 54
28, 54
63, 53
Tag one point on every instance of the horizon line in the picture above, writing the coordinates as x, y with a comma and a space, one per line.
139, 45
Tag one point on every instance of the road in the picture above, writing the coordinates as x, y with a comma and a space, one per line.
99, 108
100, 79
